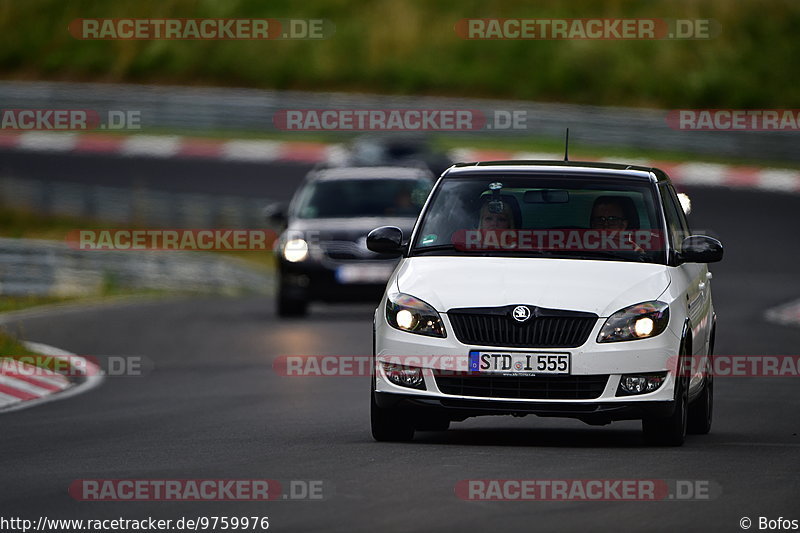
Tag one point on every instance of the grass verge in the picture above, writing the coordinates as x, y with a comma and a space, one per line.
12, 348
413, 48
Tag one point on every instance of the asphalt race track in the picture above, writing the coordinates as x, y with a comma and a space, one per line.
212, 406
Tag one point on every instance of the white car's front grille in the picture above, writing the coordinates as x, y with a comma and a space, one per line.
544, 329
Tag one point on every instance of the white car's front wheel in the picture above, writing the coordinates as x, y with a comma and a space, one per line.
389, 425
671, 430
702, 409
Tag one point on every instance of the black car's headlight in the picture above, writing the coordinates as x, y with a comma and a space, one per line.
639, 321
406, 313
295, 250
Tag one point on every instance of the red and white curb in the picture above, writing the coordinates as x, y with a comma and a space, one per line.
23, 386
259, 151
787, 314
168, 146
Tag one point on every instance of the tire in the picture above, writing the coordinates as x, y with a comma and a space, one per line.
701, 411
389, 425
288, 307
670, 430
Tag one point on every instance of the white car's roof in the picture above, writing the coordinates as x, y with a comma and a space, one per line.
556, 167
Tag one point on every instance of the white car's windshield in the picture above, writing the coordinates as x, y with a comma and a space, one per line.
586, 217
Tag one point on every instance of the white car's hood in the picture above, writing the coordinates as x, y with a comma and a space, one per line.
600, 287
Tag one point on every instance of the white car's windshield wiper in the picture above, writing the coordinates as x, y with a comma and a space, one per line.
591, 254
434, 248
485, 253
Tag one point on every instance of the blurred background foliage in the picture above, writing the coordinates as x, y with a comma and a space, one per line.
410, 47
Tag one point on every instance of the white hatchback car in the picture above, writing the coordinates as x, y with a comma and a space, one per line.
550, 288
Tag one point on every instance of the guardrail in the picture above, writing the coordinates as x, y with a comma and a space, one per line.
137, 206
46, 268
206, 109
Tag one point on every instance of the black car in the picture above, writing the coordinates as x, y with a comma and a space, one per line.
322, 253
396, 150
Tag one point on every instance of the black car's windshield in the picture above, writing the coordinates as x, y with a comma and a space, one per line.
350, 198
590, 217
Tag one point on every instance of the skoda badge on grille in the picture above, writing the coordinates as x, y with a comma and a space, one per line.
521, 313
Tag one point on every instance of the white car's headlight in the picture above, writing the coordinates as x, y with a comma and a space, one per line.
406, 313
295, 250
639, 321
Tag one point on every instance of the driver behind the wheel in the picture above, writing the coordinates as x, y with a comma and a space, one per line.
613, 214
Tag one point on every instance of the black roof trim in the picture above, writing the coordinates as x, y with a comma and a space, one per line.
577, 167
555, 163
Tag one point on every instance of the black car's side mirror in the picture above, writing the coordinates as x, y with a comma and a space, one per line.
387, 240
700, 249
275, 214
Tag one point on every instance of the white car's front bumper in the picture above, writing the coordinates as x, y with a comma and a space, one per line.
657, 354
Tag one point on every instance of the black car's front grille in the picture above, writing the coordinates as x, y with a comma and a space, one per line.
350, 251
546, 328
525, 387
346, 250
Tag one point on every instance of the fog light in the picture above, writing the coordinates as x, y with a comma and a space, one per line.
640, 383
298, 280
404, 376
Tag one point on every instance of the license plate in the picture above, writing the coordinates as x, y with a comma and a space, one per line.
519, 363
364, 273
